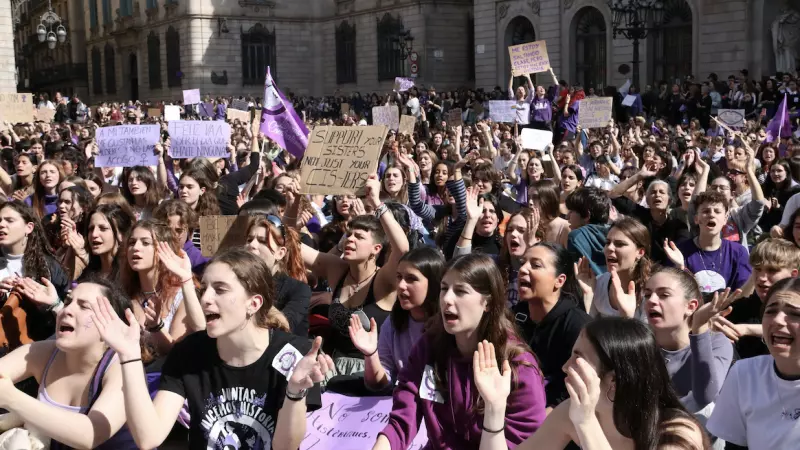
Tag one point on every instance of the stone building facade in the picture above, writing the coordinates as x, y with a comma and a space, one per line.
154, 49
8, 79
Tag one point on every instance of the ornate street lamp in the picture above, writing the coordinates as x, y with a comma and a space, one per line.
635, 19
45, 29
403, 45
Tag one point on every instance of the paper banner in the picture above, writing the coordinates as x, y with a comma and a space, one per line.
205, 110
243, 116
529, 58
154, 112
403, 84
127, 145
191, 97
629, 100
16, 108
594, 112
407, 124
194, 138
241, 105
46, 115
339, 160
503, 111
212, 232
536, 139
733, 118
172, 112
386, 115
454, 118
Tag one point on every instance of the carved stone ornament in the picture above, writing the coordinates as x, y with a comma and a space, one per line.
568, 4
535, 6
502, 9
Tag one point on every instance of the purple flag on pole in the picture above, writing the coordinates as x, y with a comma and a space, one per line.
280, 122
779, 126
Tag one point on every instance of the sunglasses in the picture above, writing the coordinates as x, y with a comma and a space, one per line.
277, 223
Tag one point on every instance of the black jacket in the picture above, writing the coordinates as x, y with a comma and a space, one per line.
293, 299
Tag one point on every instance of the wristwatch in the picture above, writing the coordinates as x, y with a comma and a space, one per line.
296, 396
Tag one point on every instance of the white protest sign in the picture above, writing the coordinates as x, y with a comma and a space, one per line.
733, 118
16, 108
629, 100
403, 84
194, 138
191, 97
503, 111
536, 139
594, 112
127, 145
338, 160
530, 57
172, 112
386, 115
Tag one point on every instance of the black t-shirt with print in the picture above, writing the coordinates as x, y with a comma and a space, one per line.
233, 407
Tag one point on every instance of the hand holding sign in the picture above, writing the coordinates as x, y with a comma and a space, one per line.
529, 58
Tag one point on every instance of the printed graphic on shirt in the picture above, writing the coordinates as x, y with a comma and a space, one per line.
427, 389
730, 232
234, 419
709, 281
286, 359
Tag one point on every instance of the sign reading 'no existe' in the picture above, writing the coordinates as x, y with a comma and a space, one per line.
528, 58
338, 160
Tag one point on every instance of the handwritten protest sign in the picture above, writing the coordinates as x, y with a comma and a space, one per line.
192, 139
44, 115
16, 108
629, 100
191, 97
172, 112
454, 117
212, 232
403, 84
386, 115
503, 111
407, 124
528, 58
154, 112
339, 160
733, 118
594, 112
241, 105
243, 116
127, 145
351, 423
536, 139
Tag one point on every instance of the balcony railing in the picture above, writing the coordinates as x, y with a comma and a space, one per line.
58, 74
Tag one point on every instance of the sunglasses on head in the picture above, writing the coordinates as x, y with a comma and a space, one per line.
277, 223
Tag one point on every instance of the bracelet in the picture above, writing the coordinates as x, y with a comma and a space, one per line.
493, 431
158, 327
298, 396
465, 238
122, 363
187, 280
376, 351
54, 305
380, 210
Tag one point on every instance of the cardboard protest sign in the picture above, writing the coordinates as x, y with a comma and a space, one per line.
351, 423
530, 57
194, 138
191, 97
127, 145
338, 160
733, 118
403, 84
212, 232
536, 139
243, 116
16, 108
154, 112
454, 117
629, 100
407, 124
206, 109
45, 115
172, 112
345, 108
594, 112
386, 115
241, 105
503, 111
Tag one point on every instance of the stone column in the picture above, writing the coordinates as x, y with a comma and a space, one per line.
8, 79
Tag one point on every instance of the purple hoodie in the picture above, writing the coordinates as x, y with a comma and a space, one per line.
452, 424
195, 256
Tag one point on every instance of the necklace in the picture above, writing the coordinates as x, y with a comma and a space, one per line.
703, 257
355, 287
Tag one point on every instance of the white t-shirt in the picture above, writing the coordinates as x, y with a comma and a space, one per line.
413, 106
601, 303
756, 408
11, 265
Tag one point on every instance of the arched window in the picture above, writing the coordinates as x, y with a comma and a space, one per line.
107, 20
93, 19
174, 74
258, 52
345, 53
672, 44
390, 61
97, 71
590, 48
519, 31
154, 60
111, 70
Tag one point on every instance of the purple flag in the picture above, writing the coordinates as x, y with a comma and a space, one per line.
654, 129
779, 126
280, 122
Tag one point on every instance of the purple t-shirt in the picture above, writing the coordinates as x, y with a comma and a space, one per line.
728, 266
541, 110
570, 123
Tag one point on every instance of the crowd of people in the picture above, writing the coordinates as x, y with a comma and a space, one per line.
633, 286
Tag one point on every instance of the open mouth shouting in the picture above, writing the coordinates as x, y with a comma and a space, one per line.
781, 341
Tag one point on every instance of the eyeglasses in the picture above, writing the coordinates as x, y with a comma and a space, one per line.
719, 187
277, 223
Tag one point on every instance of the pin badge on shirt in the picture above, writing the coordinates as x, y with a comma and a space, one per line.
427, 389
286, 359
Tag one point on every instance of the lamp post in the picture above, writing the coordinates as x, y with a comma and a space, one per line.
45, 29
635, 19
403, 45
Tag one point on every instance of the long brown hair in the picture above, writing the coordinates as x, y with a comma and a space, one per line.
637, 233
207, 203
483, 275
291, 264
37, 200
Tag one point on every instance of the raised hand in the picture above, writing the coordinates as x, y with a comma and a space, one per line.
493, 385
674, 254
721, 302
585, 276
722, 325
42, 294
583, 386
357, 206
474, 204
121, 337
151, 317
625, 300
181, 265
533, 221
311, 369
373, 190
365, 341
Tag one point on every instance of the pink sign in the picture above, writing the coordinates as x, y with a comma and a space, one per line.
351, 423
